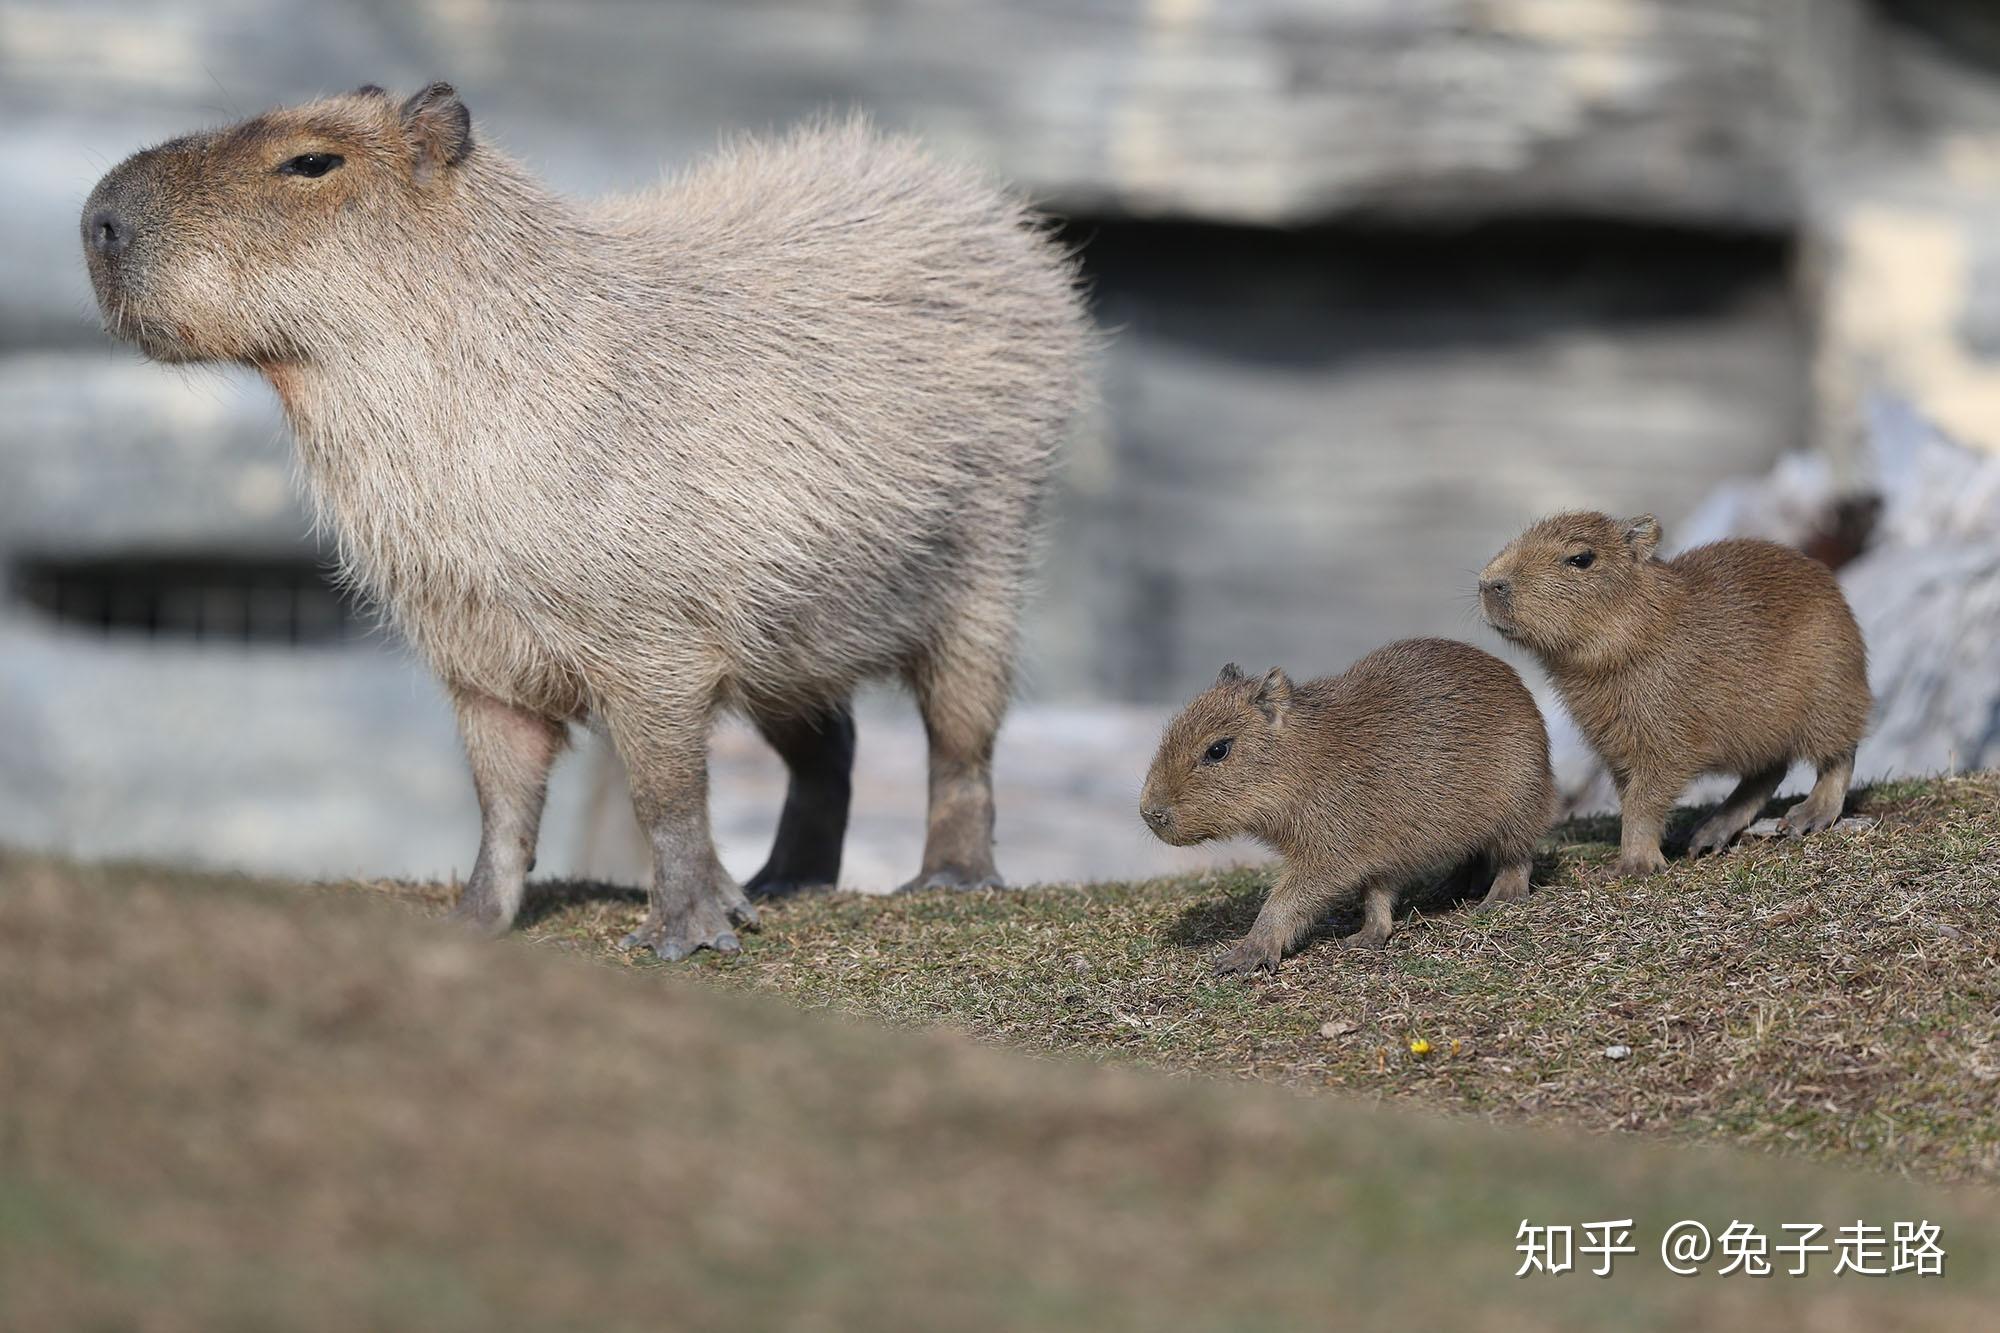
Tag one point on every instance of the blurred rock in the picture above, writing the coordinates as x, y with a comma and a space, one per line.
1926, 593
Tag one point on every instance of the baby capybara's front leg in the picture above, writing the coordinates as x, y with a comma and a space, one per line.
510, 750
1644, 799
1296, 902
693, 904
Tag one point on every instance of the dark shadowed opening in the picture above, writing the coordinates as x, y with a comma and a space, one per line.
201, 598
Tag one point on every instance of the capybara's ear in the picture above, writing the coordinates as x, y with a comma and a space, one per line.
1274, 693
440, 129
1642, 534
1231, 674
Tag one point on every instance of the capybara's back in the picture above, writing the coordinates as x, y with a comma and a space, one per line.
864, 360
745, 438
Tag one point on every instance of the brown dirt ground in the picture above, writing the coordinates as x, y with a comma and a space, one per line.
228, 1104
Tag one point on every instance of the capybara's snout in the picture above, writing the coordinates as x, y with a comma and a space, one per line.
113, 218
1496, 602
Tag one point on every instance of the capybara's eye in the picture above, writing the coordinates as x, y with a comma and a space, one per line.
1582, 559
1219, 751
310, 164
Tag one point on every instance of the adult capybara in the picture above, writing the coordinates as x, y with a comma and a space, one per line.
742, 440
1423, 757
1738, 657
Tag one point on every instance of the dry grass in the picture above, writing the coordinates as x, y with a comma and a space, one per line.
232, 1105
1837, 997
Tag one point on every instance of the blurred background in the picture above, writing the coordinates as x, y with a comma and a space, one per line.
1388, 279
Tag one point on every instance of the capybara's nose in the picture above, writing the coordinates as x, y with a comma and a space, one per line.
1498, 589
108, 234
1158, 816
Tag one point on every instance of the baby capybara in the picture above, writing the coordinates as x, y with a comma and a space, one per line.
1422, 757
1739, 657
741, 440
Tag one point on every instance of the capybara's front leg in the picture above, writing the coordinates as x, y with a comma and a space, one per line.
1296, 901
693, 903
510, 751
1643, 803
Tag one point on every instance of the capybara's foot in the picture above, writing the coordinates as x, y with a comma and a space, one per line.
1714, 835
1368, 937
480, 911
1642, 861
1809, 816
679, 937
707, 924
1509, 886
955, 877
1250, 956
768, 885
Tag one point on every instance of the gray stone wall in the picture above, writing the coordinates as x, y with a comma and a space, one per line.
1385, 280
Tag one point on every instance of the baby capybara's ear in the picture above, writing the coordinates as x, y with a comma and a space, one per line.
1642, 534
1231, 674
440, 129
1274, 693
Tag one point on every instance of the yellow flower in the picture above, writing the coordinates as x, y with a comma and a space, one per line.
1418, 1046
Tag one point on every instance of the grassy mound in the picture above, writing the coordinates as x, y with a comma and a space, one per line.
1838, 996
231, 1104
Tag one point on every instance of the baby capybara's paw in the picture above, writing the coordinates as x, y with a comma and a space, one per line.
1250, 956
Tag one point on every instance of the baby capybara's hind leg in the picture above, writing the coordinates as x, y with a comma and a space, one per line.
818, 750
1509, 886
1823, 804
510, 751
693, 904
1736, 814
962, 687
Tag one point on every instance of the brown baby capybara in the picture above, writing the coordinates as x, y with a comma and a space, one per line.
1739, 657
741, 440
1423, 757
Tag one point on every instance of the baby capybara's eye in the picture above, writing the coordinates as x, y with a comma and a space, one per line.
1582, 559
310, 164
1219, 751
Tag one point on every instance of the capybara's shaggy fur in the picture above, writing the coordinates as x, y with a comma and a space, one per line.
1425, 756
1740, 657
741, 440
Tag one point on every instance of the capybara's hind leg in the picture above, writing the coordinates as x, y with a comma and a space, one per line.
962, 688
693, 904
1509, 886
1823, 804
1378, 919
510, 751
818, 750
1734, 815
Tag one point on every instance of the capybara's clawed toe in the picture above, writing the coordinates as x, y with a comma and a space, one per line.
1248, 958
1713, 836
957, 878
1647, 861
1807, 817
479, 913
1370, 940
770, 889
672, 941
